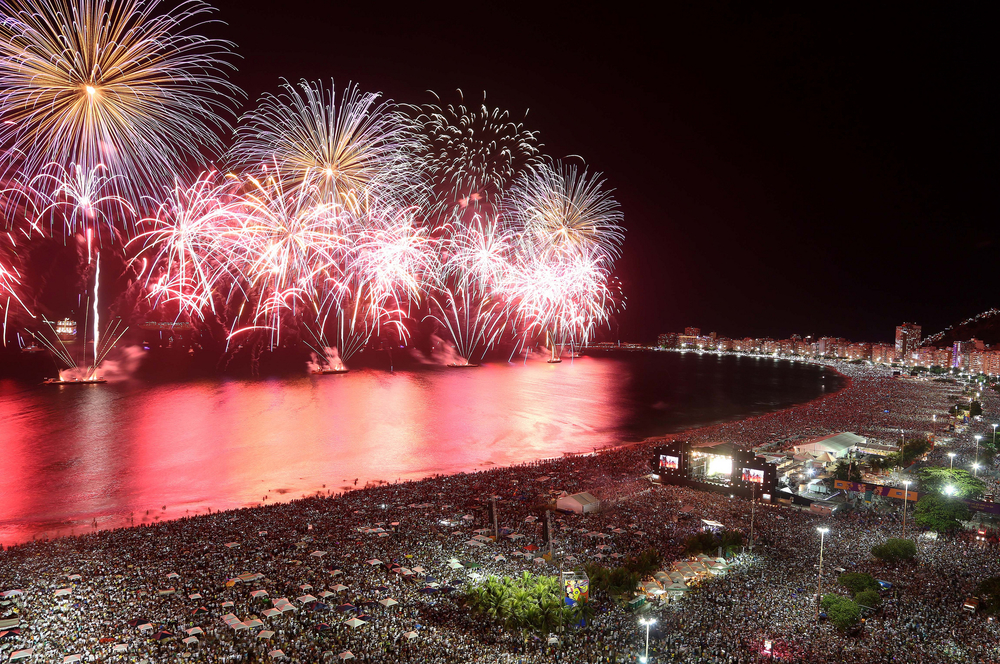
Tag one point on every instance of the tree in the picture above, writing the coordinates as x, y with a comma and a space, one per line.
913, 450
842, 612
975, 409
989, 593
893, 550
940, 513
964, 484
857, 582
869, 598
846, 467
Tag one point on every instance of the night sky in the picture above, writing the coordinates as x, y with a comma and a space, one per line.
780, 172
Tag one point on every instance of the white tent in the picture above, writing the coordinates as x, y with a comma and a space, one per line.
410, 635
194, 630
265, 634
69, 659
581, 503
21, 654
275, 654
836, 445
347, 654
387, 602
189, 640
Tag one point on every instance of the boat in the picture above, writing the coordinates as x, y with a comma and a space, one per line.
96, 380
323, 372
554, 360
456, 365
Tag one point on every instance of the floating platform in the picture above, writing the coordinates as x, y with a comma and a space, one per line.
324, 372
97, 380
456, 365
554, 360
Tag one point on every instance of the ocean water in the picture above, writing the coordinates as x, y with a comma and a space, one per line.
138, 451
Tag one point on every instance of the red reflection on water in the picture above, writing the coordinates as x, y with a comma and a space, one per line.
114, 452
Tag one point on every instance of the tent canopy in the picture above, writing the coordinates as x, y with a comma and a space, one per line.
580, 503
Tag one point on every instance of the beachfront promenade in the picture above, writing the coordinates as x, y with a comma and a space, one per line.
94, 594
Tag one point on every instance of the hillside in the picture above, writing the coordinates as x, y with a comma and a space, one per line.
985, 326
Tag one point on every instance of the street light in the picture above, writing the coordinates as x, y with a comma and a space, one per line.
952, 456
648, 622
906, 492
949, 490
975, 470
819, 583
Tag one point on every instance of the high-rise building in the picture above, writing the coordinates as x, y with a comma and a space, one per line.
692, 331
907, 339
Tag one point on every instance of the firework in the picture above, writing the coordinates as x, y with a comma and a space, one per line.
78, 201
186, 238
560, 208
562, 297
471, 155
467, 295
124, 83
350, 148
285, 243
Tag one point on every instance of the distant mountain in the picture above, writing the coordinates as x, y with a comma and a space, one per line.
985, 327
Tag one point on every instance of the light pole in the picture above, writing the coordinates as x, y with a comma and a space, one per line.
994, 436
906, 493
975, 470
951, 455
978, 438
648, 622
819, 583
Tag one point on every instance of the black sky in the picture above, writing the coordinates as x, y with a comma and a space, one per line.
780, 172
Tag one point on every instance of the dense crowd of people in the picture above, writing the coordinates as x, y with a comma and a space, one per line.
328, 566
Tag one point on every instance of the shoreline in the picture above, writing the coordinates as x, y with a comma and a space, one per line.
154, 515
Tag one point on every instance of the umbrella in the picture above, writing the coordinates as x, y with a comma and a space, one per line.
347, 654
162, 634
322, 627
195, 596
354, 622
428, 590
388, 602
265, 634
346, 607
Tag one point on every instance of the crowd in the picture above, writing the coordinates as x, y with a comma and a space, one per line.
190, 588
